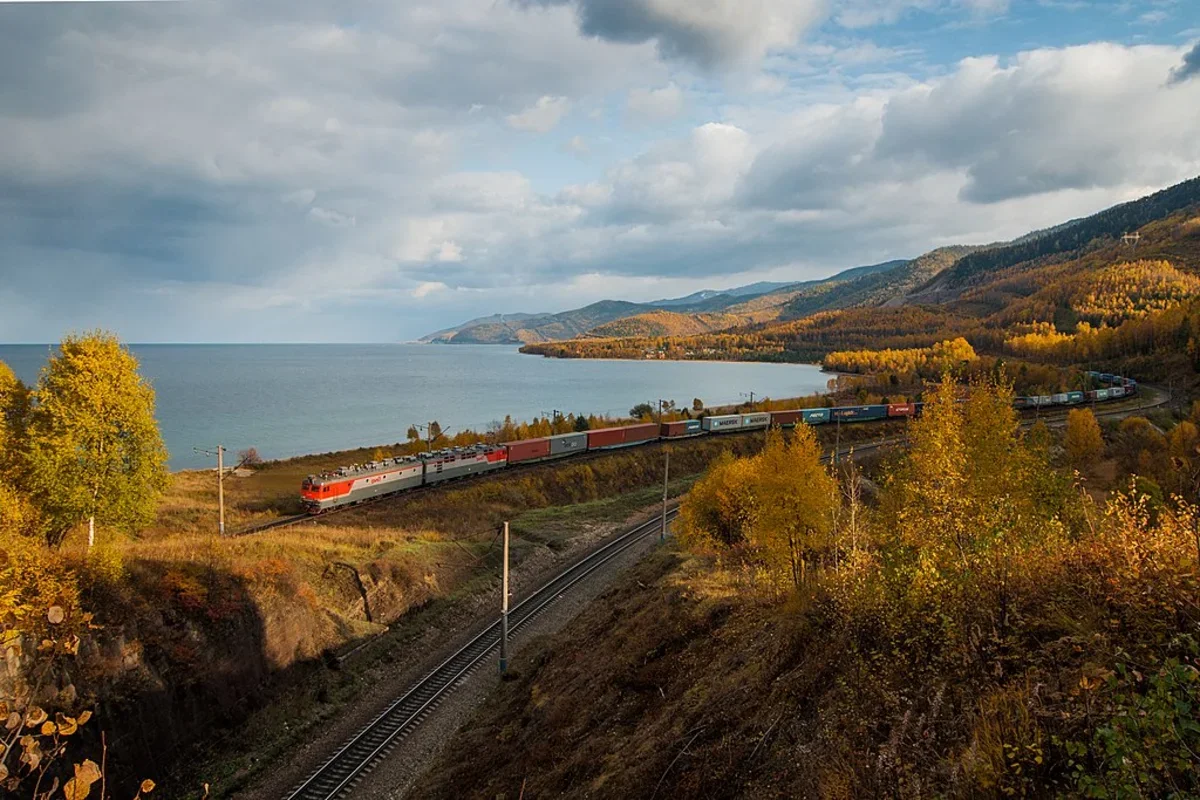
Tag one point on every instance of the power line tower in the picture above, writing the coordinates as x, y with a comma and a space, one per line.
1132, 239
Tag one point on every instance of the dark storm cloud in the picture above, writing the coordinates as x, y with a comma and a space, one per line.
709, 34
1189, 68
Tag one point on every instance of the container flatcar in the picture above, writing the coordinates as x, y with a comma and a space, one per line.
683, 427
858, 413
566, 444
527, 450
756, 420
728, 422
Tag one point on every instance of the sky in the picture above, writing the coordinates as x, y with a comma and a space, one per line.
292, 170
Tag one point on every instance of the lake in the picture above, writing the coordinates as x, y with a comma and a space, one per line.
289, 400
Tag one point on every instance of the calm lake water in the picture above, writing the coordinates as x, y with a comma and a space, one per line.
289, 400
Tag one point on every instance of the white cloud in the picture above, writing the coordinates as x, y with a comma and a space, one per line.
427, 288
655, 105
542, 116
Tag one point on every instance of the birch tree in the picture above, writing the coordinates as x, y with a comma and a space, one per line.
94, 450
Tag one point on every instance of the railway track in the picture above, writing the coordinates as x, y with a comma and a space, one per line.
1160, 399
340, 773
358, 756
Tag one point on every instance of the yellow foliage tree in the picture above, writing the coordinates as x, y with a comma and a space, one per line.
1084, 442
797, 498
94, 448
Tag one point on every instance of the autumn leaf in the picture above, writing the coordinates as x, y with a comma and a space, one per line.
67, 725
55, 615
147, 786
48, 728
84, 717
35, 716
14, 719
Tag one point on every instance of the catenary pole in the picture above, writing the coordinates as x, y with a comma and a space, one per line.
221, 488
504, 608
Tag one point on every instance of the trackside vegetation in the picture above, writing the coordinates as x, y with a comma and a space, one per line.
965, 621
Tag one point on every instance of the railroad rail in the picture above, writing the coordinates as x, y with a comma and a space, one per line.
374, 741
377, 738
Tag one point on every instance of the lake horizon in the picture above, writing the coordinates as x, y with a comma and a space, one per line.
295, 399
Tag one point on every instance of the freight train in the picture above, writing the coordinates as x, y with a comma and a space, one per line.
359, 482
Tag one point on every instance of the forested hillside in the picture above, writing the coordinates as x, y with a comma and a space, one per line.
1105, 301
699, 312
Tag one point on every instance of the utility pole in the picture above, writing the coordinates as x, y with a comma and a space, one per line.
750, 395
220, 454
837, 441
504, 608
662, 535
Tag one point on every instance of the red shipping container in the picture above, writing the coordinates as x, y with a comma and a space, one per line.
640, 433
902, 409
782, 418
527, 450
606, 437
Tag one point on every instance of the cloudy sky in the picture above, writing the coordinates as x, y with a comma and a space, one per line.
289, 170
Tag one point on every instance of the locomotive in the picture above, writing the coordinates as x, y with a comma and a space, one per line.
359, 482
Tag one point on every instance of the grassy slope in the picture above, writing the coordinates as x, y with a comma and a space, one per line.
682, 683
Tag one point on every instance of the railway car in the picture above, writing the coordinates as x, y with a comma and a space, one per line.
566, 444
680, 428
721, 424
757, 420
527, 450
786, 419
858, 413
608, 438
459, 462
1075, 397
1060, 399
815, 416
353, 484
1107, 377
902, 409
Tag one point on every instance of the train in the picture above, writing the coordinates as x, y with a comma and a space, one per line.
357, 483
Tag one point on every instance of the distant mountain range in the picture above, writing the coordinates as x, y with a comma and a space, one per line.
940, 277
700, 312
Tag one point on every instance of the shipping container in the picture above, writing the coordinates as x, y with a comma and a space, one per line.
1074, 397
1022, 402
1059, 399
527, 450
641, 433
1093, 374
729, 422
1107, 377
1115, 392
786, 419
605, 437
901, 409
567, 443
815, 416
756, 420
683, 427
859, 413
